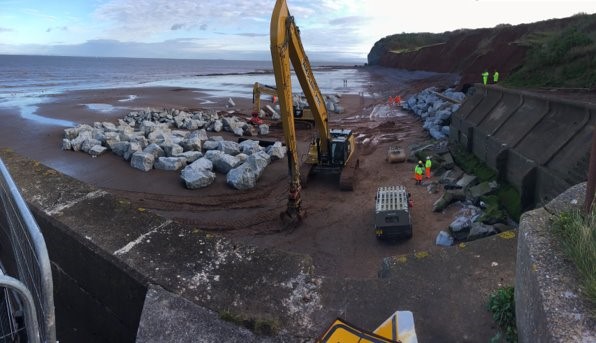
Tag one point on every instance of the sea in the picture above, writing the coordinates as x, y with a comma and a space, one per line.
27, 81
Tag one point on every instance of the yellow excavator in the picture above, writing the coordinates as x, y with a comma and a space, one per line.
331, 151
301, 114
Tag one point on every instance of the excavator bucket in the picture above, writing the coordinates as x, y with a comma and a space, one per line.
293, 215
291, 219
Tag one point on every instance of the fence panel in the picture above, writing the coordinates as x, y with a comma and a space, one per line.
26, 256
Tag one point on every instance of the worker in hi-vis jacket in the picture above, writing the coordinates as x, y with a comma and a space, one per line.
418, 170
428, 164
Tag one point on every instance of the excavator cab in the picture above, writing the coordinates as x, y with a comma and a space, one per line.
339, 149
337, 158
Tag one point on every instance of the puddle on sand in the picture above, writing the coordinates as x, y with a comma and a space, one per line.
385, 111
204, 101
28, 112
129, 98
100, 107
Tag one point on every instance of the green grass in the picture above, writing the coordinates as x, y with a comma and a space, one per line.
502, 305
561, 57
404, 42
256, 325
577, 234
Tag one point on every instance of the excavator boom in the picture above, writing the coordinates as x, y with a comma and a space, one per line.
286, 46
280, 55
332, 150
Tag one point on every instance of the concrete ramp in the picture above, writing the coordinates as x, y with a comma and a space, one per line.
540, 144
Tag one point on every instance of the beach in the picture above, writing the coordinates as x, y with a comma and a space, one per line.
337, 232
244, 215
34, 126
41, 141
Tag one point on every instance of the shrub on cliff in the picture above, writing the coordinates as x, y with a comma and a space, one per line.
563, 58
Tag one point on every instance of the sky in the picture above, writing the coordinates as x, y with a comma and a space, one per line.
331, 30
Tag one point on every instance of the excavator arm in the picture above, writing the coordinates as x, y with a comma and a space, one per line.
256, 95
286, 48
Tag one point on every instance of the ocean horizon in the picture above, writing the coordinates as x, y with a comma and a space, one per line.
30, 75
27, 81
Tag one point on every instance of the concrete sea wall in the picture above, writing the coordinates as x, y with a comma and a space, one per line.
539, 144
549, 306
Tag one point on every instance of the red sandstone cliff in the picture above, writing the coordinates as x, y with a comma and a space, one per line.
466, 52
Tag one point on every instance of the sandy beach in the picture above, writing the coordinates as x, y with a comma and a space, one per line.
35, 138
243, 214
42, 142
337, 231
246, 215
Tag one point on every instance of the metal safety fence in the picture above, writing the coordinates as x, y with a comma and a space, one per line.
26, 289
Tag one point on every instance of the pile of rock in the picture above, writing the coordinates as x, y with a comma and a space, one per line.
476, 219
208, 120
242, 163
147, 139
473, 221
433, 108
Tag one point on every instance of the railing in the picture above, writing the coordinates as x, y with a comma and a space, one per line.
24, 255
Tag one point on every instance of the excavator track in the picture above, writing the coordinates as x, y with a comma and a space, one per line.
347, 177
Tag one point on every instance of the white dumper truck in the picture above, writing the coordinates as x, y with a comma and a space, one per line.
392, 213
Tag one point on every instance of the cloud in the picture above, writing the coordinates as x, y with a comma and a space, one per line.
186, 48
136, 20
57, 28
144, 25
349, 21
4, 29
38, 14
252, 34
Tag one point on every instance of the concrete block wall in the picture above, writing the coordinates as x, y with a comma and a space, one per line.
549, 306
98, 299
539, 144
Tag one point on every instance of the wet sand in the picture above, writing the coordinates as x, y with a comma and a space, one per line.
41, 141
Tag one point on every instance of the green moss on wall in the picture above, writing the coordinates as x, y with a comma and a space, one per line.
259, 326
510, 199
472, 165
506, 196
